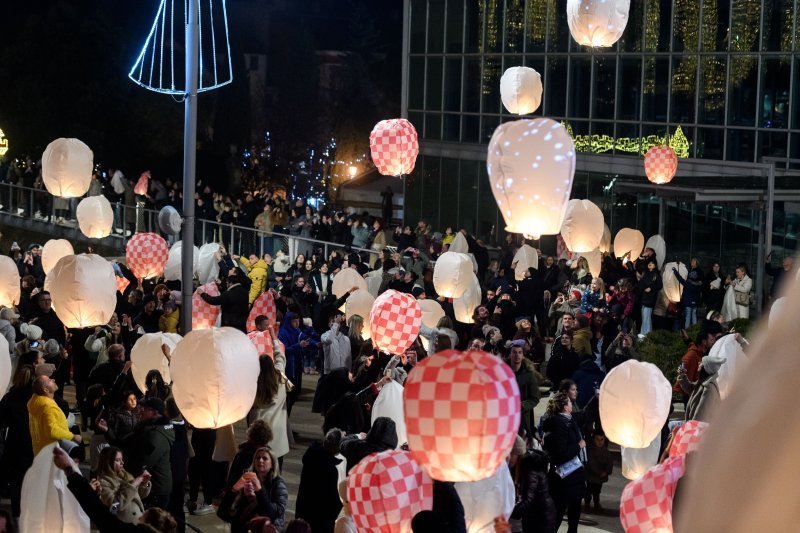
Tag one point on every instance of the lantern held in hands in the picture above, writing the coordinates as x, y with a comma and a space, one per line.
583, 226
605, 242
52, 251
263, 305
147, 354
214, 376
208, 263
628, 242
660, 164
146, 255
431, 313
531, 164
673, 289
659, 246
394, 146
95, 217
637, 461
597, 23
173, 268
83, 289
204, 315
346, 279
394, 321
360, 303
464, 306
521, 90
525, 258
646, 503
452, 274
67, 168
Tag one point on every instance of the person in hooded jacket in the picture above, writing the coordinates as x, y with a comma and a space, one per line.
382, 436
318, 500
587, 378
535, 505
257, 270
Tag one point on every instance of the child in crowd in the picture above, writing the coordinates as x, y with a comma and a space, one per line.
598, 468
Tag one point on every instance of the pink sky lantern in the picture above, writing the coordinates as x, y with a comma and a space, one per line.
263, 305
660, 164
204, 315
646, 504
394, 146
394, 321
146, 255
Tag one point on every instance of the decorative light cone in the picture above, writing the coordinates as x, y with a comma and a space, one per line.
464, 306
597, 23
462, 412
394, 321
84, 290
605, 242
628, 242
583, 226
659, 246
95, 217
386, 490
660, 164
263, 305
360, 303
525, 258
672, 287
637, 461
346, 279
521, 90
634, 403
531, 164
452, 274
147, 355
431, 313
67, 168
172, 270
207, 263
146, 255
52, 251
394, 146
214, 376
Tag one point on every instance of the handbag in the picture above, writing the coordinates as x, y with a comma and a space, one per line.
742, 298
569, 467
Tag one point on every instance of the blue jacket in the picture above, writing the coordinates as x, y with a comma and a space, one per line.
585, 377
590, 300
290, 337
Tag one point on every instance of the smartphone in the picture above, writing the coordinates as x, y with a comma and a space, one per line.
34, 344
114, 508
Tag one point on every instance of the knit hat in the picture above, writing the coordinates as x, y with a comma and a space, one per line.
492, 332
31, 331
52, 347
8, 313
577, 294
712, 363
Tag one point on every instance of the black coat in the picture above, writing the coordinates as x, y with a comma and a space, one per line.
561, 442
318, 494
652, 281
535, 506
17, 453
235, 304
562, 363
381, 437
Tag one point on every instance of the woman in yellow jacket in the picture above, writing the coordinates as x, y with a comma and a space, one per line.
257, 270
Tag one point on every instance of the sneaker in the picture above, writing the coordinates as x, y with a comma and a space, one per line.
204, 510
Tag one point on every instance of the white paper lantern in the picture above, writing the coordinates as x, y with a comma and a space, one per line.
729, 349
531, 164
431, 313
207, 263
605, 242
634, 403
67, 168
779, 307
452, 274
660, 164
595, 261
360, 303
659, 246
214, 376
628, 242
5, 366
525, 258
672, 287
636, 461
346, 279
464, 306
597, 23
147, 355
95, 217
172, 270
52, 251
83, 289
583, 226
459, 244
521, 90
389, 403
9, 282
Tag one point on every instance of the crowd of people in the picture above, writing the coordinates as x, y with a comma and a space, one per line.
560, 328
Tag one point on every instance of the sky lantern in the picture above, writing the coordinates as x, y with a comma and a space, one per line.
52, 251
360, 303
172, 269
432, 312
525, 258
521, 90
146, 255
95, 217
660, 164
394, 146
204, 315
597, 23
394, 321
452, 274
659, 246
84, 290
462, 413
672, 287
464, 306
263, 305
531, 164
9, 282
214, 376
67, 166
646, 503
637, 461
628, 242
583, 226
346, 279
5, 366
147, 354
605, 242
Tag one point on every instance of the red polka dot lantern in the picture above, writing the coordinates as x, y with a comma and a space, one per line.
146, 255
394, 321
660, 164
385, 490
394, 146
462, 413
263, 305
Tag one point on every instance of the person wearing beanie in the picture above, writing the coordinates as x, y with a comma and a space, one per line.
9, 317
697, 375
32, 340
147, 320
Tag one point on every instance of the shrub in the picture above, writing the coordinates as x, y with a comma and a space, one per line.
664, 349
741, 325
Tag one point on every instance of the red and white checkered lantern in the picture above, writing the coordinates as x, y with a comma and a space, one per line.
688, 438
122, 283
462, 413
394, 146
646, 504
263, 305
204, 315
146, 255
660, 164
385, 490
263, 343
394, 321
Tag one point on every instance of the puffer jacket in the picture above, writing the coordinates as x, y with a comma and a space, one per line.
149, 446
47, 422
257, 272
535, 506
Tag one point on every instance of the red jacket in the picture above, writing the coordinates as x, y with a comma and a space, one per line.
691, 362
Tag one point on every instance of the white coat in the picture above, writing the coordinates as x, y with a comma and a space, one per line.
275, 414
336, 348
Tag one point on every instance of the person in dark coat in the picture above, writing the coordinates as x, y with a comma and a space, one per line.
179, 455
714, 288
587, 377
535, 505
564, 361
647, 290
318, 500
235, 302
17, 454
599, 464
382, 436
692, 288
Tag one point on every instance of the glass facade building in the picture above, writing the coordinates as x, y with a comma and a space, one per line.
716, 79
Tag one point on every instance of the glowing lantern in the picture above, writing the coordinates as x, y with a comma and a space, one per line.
672, 287
214, 376
583, 226
637, 461
346, 279
9, 282
52, 251
597, 23
207, 263
659, 246
147, 355
122, 283
360, 303
394, 146
146, 255
263, 305
385, 490
452, 274
521, 90
779, 307
628, 242
464, 306
462, 414
525, 258
95, 217
688, 438
531, 164
646, 504
5, 366
204, 315
728, 348
595, 261
67, 168
389, 403
605, 242
431, 313
84, 290
172, 270
459, 244
660, 164
634, 403
394, 321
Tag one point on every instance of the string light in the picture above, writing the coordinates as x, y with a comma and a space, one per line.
599, 144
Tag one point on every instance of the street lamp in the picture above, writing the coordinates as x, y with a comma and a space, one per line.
352, 170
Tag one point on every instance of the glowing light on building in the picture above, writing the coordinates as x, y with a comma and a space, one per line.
600, 144
3, 144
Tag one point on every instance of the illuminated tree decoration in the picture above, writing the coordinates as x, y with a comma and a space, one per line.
660, 164
597, 23
67, 166
521, 90
394, 146
3, 144
599, 144
531, 164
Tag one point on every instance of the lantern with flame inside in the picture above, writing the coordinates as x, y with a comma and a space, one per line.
148, 354
597, 23
84, 290
394, 321
95, 217
583, 226
394, 146
67, 168
660, 164
52, 251
146, 255
672, 287
628, 242
452, 274
521, 90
